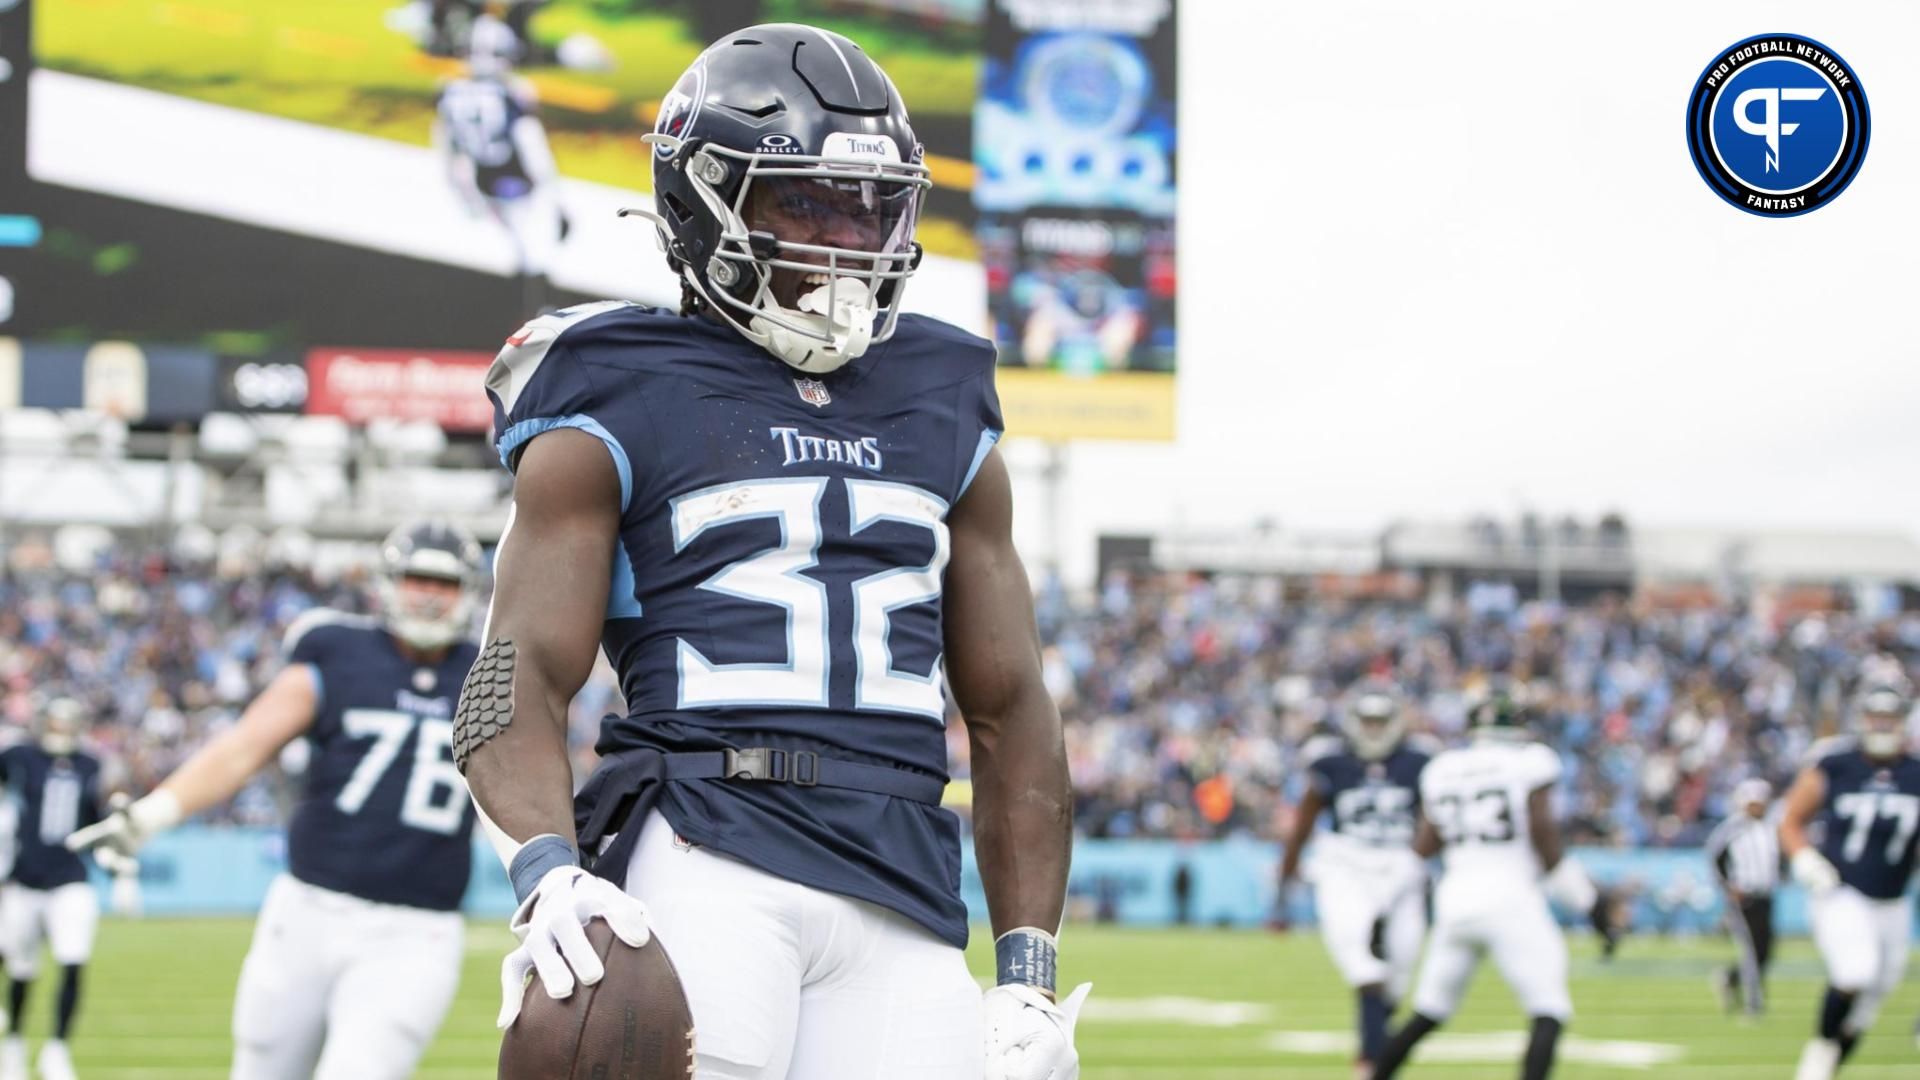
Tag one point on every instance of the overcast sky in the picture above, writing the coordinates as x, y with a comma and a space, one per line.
1439, 259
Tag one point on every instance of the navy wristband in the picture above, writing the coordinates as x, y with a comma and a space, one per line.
1025, 956
534, 859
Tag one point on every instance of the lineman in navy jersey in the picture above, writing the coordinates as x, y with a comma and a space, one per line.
781, 515
47, 899
356, 955
1849, 831
1367, 880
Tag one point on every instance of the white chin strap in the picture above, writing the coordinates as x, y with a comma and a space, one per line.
849, 324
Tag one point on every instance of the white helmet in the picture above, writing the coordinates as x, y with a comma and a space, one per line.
1880, 717
492, 47
429, 549
1372, 721
61, 724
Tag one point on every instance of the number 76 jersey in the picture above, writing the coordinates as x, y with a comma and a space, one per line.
384, 813
778, 579
1870, 817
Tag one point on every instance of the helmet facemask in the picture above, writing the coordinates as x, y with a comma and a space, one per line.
1374, 725
1882, 722
813, 251
434, 619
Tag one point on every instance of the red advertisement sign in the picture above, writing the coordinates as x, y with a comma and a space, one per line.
358, 385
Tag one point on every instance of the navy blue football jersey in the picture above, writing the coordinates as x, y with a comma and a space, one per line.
384, 813
56, 794
1373, 802
478, 116
1870, 817
779, 572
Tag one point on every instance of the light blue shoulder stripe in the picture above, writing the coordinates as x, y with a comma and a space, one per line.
513, 437
987, 439
622, 603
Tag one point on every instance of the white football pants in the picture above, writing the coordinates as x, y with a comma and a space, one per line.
340, 988
64, 918
1350, 904
788, 982
1515, 928
1864, 943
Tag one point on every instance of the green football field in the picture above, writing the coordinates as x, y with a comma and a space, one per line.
1167, 1005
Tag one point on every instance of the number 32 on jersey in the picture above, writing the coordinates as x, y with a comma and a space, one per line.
776, 576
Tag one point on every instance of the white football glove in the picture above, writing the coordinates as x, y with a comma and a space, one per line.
116, 838
1029, 1037
1810, 868
552, 927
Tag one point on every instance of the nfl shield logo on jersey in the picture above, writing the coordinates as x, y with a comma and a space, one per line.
813, 392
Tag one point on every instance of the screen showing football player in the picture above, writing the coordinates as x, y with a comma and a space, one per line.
1849, 834
1485, 808
781, 514
1368, 884
48, 901
487, 129
356, 954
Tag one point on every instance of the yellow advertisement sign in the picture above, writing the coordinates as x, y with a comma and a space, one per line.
1057, 406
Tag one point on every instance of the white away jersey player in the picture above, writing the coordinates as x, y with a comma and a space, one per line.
1490, 899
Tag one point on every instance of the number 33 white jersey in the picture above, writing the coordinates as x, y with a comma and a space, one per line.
1476, 796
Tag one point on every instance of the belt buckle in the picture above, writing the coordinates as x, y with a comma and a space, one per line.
800, 768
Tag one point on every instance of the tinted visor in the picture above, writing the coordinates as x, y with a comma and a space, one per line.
869, 216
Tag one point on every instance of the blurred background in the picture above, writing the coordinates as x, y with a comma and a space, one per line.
1475, 377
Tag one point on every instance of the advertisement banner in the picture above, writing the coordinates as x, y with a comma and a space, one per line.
295, 174
1074, 143
358, 385
275, 383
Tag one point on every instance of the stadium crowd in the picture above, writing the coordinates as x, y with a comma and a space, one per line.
1187, 700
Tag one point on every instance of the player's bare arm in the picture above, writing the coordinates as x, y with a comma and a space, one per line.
1542, 832
1809, 866
543, 632
1304, 816
1022, 798
1802, 803
551, 577
1426, 838
215, 773
1023, 802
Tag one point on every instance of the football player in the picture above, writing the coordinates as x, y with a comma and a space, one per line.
781, 513
488, 131
48, 899
1368, 884
1863, 791
1485, 806
356, 955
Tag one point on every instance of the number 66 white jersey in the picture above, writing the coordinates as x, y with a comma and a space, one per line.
1476, 797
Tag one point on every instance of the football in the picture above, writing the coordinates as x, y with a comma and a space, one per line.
634, 1024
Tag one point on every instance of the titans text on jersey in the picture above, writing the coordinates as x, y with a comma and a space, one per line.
793, 537
1870, 818
57, 793
384, 815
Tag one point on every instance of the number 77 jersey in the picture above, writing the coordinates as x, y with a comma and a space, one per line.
779, 573
1870, 818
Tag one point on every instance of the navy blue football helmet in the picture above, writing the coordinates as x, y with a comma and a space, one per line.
429, 549
787, 183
